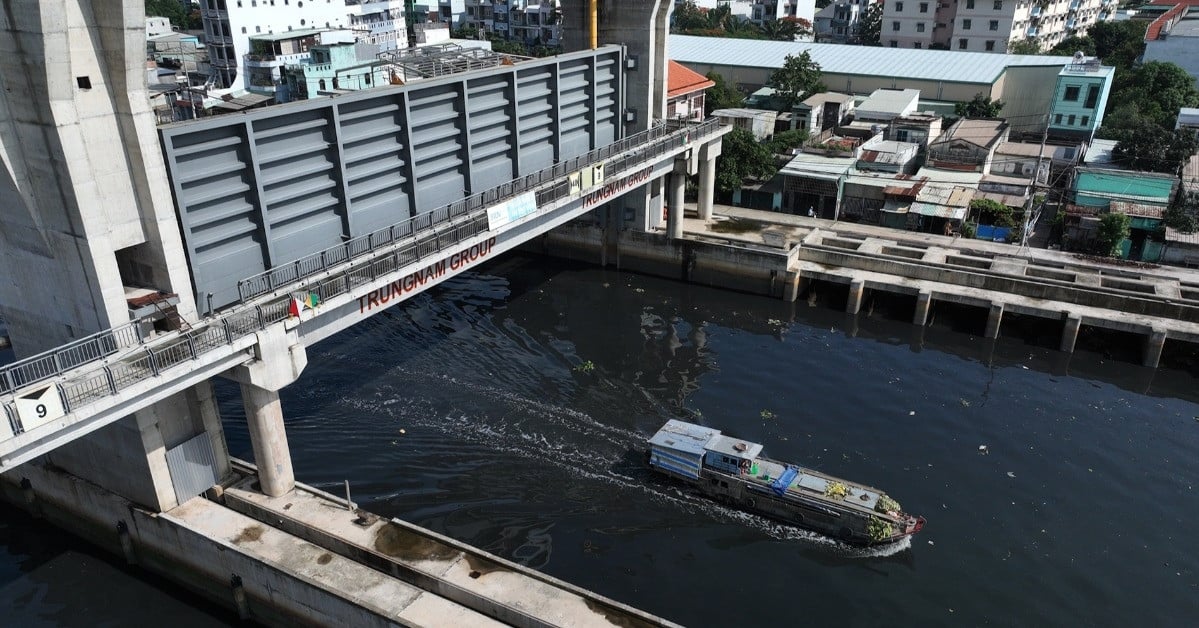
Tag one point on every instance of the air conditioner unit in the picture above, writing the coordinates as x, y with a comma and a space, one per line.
1026, 169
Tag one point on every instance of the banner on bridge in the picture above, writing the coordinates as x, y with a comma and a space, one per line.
511, 210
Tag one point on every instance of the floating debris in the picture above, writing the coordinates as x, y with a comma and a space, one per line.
911, 413
965, 403
1010, 474
982, 449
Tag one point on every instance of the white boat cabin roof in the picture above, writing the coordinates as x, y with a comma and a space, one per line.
684, 437
734, 447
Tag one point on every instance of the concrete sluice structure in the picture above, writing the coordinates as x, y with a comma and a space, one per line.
782, 255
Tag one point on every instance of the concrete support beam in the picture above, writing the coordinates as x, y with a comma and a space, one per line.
994, 318
280, 357
1153, 347
674, 219
795, 285
854, 301
707, 178
923, 301
1070, 332
264, 414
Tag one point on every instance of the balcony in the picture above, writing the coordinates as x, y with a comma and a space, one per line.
1035, 11
1074, 5
1070, 23
1031, 32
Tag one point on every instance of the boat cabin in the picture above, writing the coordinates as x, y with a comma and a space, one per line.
730, 455
684, 449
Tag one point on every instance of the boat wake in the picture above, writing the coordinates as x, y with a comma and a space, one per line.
571, 441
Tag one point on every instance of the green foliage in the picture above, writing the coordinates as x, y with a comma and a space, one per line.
1024, 47
1072, 44
870, 25
820, 4
170, 9
742, 157
465, 32
716, 22
879, 530
797, 79
508, 47
688, 17
969, 229
782, 142
1113, 229
981, 106
991, 212
722, 95
1152, 148
784, 29
1181, 217
836, 490
585, 367
1118, 43
886, 504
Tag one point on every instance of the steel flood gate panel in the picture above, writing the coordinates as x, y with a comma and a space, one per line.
193, 467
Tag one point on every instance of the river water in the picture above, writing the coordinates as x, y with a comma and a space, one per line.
509, 408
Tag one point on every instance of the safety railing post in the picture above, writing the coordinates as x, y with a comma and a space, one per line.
191, 344
261, 317
62, 396
153, 361
228, 331
112, 381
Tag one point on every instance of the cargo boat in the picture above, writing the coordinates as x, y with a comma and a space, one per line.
732, 471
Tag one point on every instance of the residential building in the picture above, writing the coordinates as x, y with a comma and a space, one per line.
685, 92
1025, 83
879, 155
760, 122
987, 25
823, 111
769, 10
1188, 118
532, 22
838, 22
1080, 99
884, 105
262, 67
332, 69
969, 145
919, 128
1174, 36
229, 24
812, 180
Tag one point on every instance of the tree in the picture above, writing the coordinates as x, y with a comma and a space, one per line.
1152, 148
981, 106
1118, 43
989, 212
870, 25
1072, 44
170, 9
688, 16
1152, 93
1179, 216
785, 141
820, 4
742, 157
1114, 227
1024, 47
722, 95
797, 79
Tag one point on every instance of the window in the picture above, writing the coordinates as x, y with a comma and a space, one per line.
969, 4
920, 27
894, 44
961, 44
966, 25
257, 29
990, 45
243, 30
1057, 118
898, 6
924, 7
1092, 97
1086, 120
993, 25
998, 6
917, 45
84, 82
1071, 93
1070, 120
894, 26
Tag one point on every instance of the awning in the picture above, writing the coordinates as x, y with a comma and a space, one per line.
1011, 200
896, 207
939, 211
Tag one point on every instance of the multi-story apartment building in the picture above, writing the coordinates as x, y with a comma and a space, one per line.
531, 22
838, 22
229, 24
768, 10
988, 25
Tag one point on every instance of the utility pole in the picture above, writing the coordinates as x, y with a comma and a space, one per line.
1028, 206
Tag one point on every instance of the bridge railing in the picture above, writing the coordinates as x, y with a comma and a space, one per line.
127, 355
676, 134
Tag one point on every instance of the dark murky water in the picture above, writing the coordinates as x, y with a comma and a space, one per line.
509, 409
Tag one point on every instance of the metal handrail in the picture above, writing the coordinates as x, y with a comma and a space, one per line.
365, 259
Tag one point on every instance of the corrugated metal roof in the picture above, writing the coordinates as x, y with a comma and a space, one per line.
936, 175
815, 166
1010, 200
1174, 235
1099, 152
682, 436
934, 65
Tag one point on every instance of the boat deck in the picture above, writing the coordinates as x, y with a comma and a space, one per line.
811, 484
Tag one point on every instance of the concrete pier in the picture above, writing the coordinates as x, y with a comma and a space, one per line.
268, 436
1070, 332
853, 302
707, 179
994, 319
924, 300
674, 217
1154, 343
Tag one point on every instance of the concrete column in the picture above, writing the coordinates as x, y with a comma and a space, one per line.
264, 414
923, 301
1153, 347
994, 318
707, 178
794, 287
1070, 332
674, 219
854, 302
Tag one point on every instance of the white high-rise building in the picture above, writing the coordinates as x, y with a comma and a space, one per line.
988, 25
229, 24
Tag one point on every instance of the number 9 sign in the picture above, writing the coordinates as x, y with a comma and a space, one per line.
39, 407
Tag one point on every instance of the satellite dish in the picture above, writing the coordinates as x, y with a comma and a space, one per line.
1079, 57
